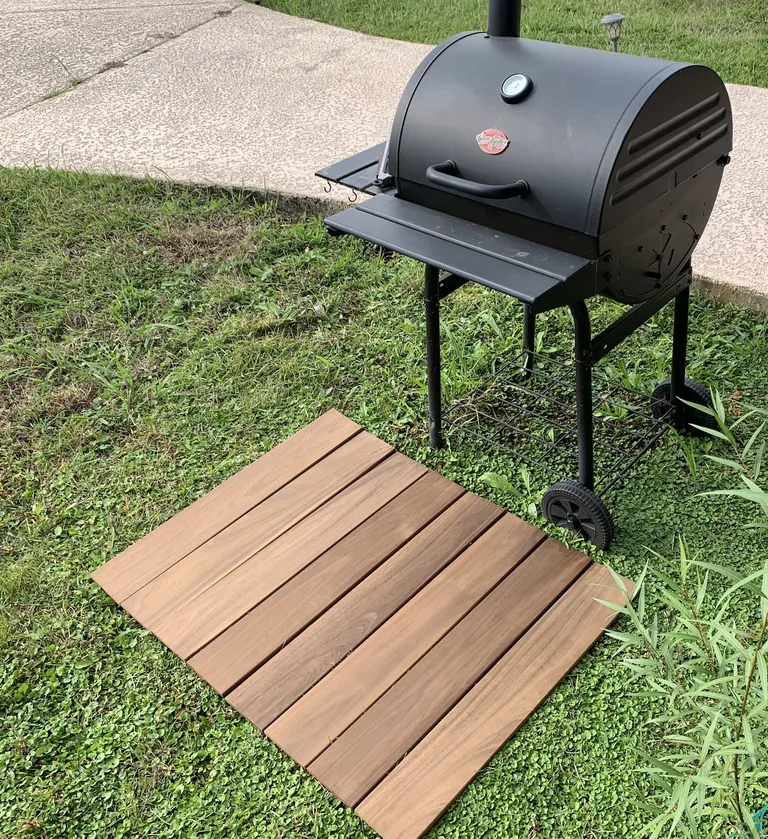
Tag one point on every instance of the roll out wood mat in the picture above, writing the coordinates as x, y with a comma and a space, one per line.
386, 628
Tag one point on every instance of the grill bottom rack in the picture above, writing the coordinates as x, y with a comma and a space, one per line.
526, 408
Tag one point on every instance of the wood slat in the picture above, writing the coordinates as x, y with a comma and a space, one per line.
321, 715
235, 654
422, 786
189, 628
365, 752
256, 529
289, 674
146, 559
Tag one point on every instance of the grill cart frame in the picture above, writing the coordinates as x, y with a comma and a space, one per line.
617, 192
666, 410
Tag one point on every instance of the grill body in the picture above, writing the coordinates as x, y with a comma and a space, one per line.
551, 174
613, 149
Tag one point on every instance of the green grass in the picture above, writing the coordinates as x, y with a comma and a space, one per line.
155, 339
71, 85
729, 35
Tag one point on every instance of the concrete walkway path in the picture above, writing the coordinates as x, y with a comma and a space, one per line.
49, 46
225, 92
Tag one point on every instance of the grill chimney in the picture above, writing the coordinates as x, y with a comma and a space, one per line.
504, 18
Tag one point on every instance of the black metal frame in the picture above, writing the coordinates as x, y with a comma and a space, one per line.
587, 352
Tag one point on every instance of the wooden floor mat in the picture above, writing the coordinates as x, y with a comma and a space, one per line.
386, 628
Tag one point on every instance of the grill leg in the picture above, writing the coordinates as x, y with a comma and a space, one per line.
679, 348
529, 339
584, 419
432, 311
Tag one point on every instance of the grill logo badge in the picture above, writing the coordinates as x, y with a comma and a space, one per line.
492, 141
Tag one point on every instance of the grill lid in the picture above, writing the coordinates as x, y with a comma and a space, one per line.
593, 134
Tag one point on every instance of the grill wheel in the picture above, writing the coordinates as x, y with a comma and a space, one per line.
571, 505
661, 401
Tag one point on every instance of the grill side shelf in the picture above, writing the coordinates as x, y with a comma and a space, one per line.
520, 252
357, 172
473, 261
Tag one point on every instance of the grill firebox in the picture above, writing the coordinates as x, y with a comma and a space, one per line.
552, 174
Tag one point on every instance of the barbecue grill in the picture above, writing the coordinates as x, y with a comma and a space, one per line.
552, 174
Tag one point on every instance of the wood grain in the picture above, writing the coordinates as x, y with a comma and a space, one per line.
255, 530
418, 790
321, 715
189, 628
365, 752
235, 654
289, 674
146, 559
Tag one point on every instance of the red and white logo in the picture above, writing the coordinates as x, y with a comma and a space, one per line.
492, 141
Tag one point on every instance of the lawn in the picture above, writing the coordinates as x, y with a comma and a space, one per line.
154, 339
729, 35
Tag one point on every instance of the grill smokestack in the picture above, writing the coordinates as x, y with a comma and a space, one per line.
504, 18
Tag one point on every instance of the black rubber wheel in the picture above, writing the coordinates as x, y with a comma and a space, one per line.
661, 402
571, 505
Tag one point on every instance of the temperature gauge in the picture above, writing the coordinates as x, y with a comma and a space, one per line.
516, 88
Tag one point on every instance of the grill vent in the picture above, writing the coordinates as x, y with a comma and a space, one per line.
659, 131
694, 131
670, 144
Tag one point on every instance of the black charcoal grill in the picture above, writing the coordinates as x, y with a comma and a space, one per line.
552, 174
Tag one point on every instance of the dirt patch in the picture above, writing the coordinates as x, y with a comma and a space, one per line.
70, 400
216, 236
75, 320
22, 403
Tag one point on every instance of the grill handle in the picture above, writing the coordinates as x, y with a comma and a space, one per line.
445, 174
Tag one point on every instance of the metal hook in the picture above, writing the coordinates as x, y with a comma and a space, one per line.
327, 188
353, 199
